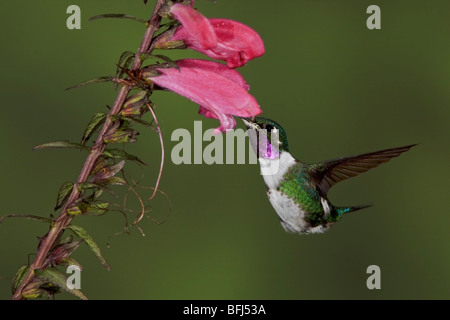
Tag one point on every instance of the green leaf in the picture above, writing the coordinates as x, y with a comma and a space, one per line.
87, 185
143, 122
97, 193
18, 278
60, 144
124, 60
97, 208
74, 211
92, 81
63, 194
122, 155
59, 279
117, 181
95, 122
79, 231
32, 293
118, 16
135, 105
121, 136
169, 62
70, 262
27, 216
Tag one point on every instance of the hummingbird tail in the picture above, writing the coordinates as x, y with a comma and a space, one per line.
342, 210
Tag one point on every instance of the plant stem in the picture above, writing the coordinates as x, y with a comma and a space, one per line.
64, 219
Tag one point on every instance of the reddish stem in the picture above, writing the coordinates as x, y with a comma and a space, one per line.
64, 219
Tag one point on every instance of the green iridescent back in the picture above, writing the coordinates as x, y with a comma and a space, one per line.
297, 186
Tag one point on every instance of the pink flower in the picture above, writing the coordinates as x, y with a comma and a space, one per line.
199, 26
221, 92
221, 39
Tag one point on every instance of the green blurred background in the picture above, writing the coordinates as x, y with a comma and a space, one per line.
338, 89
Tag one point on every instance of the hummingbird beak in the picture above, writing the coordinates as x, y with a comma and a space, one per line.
249, 123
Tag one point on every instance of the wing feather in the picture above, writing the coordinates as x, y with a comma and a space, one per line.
331, 172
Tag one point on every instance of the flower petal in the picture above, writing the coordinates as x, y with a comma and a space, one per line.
196, 25
218, 68
237, 43
219, 91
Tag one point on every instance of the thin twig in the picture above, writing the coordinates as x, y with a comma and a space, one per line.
161, 166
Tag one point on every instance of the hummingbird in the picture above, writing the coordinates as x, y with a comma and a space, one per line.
298, 190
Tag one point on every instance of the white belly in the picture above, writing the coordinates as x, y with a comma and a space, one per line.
292, 217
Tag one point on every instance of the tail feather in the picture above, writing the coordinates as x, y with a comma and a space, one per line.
342, 210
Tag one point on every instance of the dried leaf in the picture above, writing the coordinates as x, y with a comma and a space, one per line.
108, 172
61, 251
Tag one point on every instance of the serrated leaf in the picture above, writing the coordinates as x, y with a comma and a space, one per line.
118, 16
122, 155
60, 144
96, 121
79, 231
63, 194
59, 279
18, 278
27, 216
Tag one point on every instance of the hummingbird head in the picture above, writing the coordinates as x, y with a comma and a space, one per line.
267, 137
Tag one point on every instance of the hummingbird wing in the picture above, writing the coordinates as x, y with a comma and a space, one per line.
331, 172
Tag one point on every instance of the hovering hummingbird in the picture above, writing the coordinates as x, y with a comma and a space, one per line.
298, 190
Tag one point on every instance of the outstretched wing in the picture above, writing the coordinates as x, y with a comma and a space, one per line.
331, 172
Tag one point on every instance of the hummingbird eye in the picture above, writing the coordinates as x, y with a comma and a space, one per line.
267, 126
